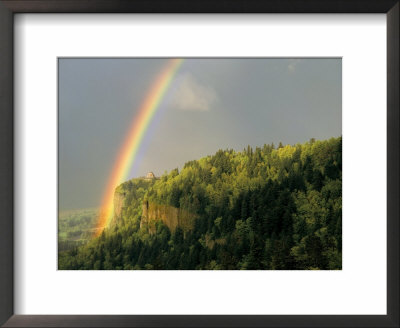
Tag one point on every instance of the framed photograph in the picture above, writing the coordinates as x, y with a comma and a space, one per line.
190, 164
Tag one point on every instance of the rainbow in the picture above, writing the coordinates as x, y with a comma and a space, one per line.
133, 140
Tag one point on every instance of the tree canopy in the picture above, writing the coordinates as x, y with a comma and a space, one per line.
260, 208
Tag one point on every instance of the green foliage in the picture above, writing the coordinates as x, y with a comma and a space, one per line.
262, 208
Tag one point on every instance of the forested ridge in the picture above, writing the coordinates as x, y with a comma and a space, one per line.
273, 208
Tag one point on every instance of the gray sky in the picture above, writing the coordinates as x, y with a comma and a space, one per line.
212, 104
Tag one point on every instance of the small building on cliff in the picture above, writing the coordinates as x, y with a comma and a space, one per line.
150, 176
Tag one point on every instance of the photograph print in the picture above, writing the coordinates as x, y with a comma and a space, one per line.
199, 164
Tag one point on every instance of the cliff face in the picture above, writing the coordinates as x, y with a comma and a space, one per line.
171, 216
119, 203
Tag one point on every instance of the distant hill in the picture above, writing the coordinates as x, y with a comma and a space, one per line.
264, 208
75, 227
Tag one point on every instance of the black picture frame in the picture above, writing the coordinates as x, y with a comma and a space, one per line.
10, 7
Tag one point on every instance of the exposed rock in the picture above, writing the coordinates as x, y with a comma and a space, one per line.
171, 216
119, 203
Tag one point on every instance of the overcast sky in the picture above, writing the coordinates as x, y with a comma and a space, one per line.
212, 104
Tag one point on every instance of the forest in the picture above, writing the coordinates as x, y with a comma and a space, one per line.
263, 208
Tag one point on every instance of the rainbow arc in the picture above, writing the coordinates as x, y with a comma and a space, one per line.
130, 147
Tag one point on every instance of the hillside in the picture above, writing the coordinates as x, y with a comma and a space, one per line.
263, 208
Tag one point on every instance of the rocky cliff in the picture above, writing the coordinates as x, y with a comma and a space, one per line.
119, 204
171, 216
